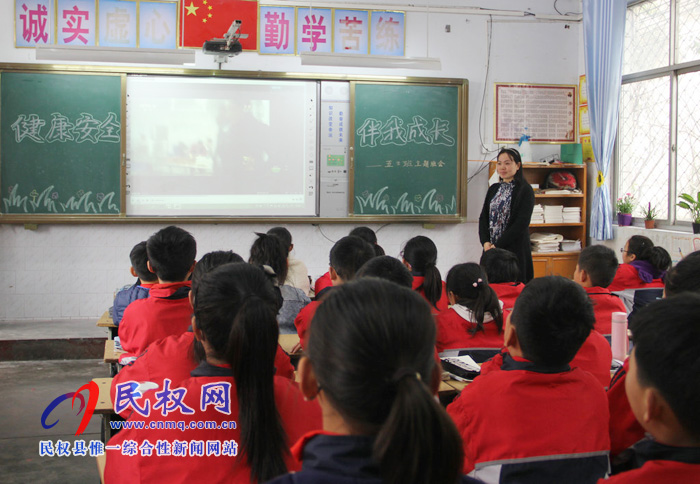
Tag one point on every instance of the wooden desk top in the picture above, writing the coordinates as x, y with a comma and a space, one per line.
105, 321
104, 401
288, 341
111, 354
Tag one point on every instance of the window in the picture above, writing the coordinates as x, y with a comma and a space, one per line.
659, 129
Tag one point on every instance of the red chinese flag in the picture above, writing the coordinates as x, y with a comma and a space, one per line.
203, 20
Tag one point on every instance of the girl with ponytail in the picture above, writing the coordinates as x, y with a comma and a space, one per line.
370, 365
644, 265
475, 319
234, 319
420, 256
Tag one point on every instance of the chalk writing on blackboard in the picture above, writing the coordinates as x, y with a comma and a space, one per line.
48, 201
86, 128
395, 131
380, 202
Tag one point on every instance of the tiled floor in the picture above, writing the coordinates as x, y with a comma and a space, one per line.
27, 388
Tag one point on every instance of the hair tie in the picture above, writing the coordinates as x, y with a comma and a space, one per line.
270, 273
402, 373
478, 281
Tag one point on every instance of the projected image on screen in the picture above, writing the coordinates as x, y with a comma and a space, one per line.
221, 147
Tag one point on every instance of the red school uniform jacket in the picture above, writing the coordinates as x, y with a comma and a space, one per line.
165, 311
528, 424
303, 319
662, 464
453, 332
322, 282
595, 356
627, 277
508, 292
192, 452
173, 357
441, 304
604, 304
625, 430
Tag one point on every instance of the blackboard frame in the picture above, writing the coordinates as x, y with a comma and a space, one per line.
31, 219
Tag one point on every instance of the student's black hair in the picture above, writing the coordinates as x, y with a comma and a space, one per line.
283, 234
501, 265
553, 316
515, 156
388, 268
684, 276
348, 255
365, 233
470, 286
645, 250
171, 252
421, 253
600, 263
139, 258
270, 250
667, 352
372, 346
209, 261
235, 308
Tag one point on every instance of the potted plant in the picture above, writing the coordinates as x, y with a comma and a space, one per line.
624, 206
650, 215
693, 205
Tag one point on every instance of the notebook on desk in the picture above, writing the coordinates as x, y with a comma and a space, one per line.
462, 368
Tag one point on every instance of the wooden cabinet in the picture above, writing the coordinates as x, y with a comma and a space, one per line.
556, 263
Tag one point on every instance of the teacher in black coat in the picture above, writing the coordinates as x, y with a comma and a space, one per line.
507, 210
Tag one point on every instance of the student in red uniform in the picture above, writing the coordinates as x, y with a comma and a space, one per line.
145, 279
347, 256
366, 234
420, 256
625, 431
167, 309
595, 271
475, 318
175, 356
234, 318
502, 269
644, 265
536, 419
370, 366
663, 390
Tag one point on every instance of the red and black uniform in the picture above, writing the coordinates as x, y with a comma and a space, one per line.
604, 304
173, 357
338, 459
628, 277
661, 464
508, 292
298, 417
454, 332
441, 304
625, 430
166, 311
595, 356
303, 319
530, 424
322, 282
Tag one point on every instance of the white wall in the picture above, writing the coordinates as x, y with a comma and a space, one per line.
71, 271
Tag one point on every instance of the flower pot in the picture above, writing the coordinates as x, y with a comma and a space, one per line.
624, 219
649, 224
696, 227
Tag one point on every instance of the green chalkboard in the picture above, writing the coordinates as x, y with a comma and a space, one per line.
407, 150
61, 143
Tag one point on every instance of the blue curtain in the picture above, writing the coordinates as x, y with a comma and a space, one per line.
604, 41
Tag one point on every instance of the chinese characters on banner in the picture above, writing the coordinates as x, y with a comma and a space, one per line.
289, 30
78, 22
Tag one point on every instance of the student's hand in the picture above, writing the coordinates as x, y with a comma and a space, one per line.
488, 246
296, 349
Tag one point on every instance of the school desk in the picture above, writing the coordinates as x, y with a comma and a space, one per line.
288, 342
111, 356
104, 407
106, 321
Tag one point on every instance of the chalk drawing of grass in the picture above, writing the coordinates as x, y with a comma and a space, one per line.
48, 201
430, 203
